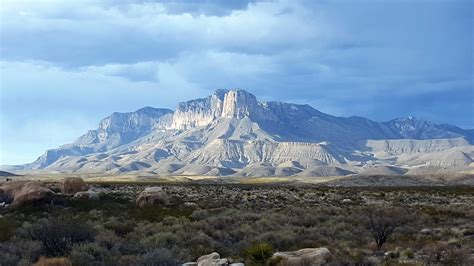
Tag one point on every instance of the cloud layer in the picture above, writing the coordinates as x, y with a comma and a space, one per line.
86, 59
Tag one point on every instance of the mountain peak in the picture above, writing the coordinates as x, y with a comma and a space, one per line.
238, 103
234, 103
221, 93
406, 119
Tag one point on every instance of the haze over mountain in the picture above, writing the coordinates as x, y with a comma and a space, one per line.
232, 133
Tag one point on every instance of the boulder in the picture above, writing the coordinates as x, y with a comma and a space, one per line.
213, 256
21, 192
306, 256
392, 254
71, 185
152, 196
426, 231
191, 204
89, 194
213, 259
346, 201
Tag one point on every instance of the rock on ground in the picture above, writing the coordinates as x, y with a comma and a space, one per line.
71, 185
306, 256
21, 192
152, 196
213, 259
89, 194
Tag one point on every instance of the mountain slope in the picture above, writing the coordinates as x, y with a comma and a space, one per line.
113, 131
232, 133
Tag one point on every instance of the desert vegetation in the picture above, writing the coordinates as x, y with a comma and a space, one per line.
243, 223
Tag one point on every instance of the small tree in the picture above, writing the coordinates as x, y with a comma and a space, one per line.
382, 222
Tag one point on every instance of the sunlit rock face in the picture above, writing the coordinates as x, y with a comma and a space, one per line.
239, 104
222, 104
198, 112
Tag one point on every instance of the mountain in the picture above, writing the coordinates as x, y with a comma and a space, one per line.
232, 133
6, 174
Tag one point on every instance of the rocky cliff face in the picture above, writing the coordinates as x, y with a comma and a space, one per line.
126, 127
222, 104
230, 132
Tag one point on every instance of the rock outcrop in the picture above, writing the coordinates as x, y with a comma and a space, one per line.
19, 193
212, 259
307, 256
71, 185
222, 104
89, 194
152, 196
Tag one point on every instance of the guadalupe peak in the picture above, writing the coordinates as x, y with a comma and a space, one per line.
233, 103
238, 104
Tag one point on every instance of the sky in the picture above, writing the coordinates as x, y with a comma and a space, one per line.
65, 65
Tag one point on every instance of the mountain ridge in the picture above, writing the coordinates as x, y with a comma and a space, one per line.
230, 131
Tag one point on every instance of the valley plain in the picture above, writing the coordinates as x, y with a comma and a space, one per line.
243, 222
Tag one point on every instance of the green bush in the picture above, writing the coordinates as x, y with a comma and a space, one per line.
7, 229
259, 253
407, 253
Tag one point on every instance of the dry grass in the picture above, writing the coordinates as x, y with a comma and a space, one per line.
43, 261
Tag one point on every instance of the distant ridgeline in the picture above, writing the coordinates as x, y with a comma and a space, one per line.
232, 133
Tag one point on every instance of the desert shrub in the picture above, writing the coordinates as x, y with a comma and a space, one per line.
157, 257
107, 238
127, 247
259, 253
458, 256
90, 254
199, 215
120, 227
283, 239
43, 261
170, 220
19, 251
7, 229
221, 222
407, 253
350, 256
156, 213
9, 254
160, 240
127, 260
59, 235
200, 243
447, 255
